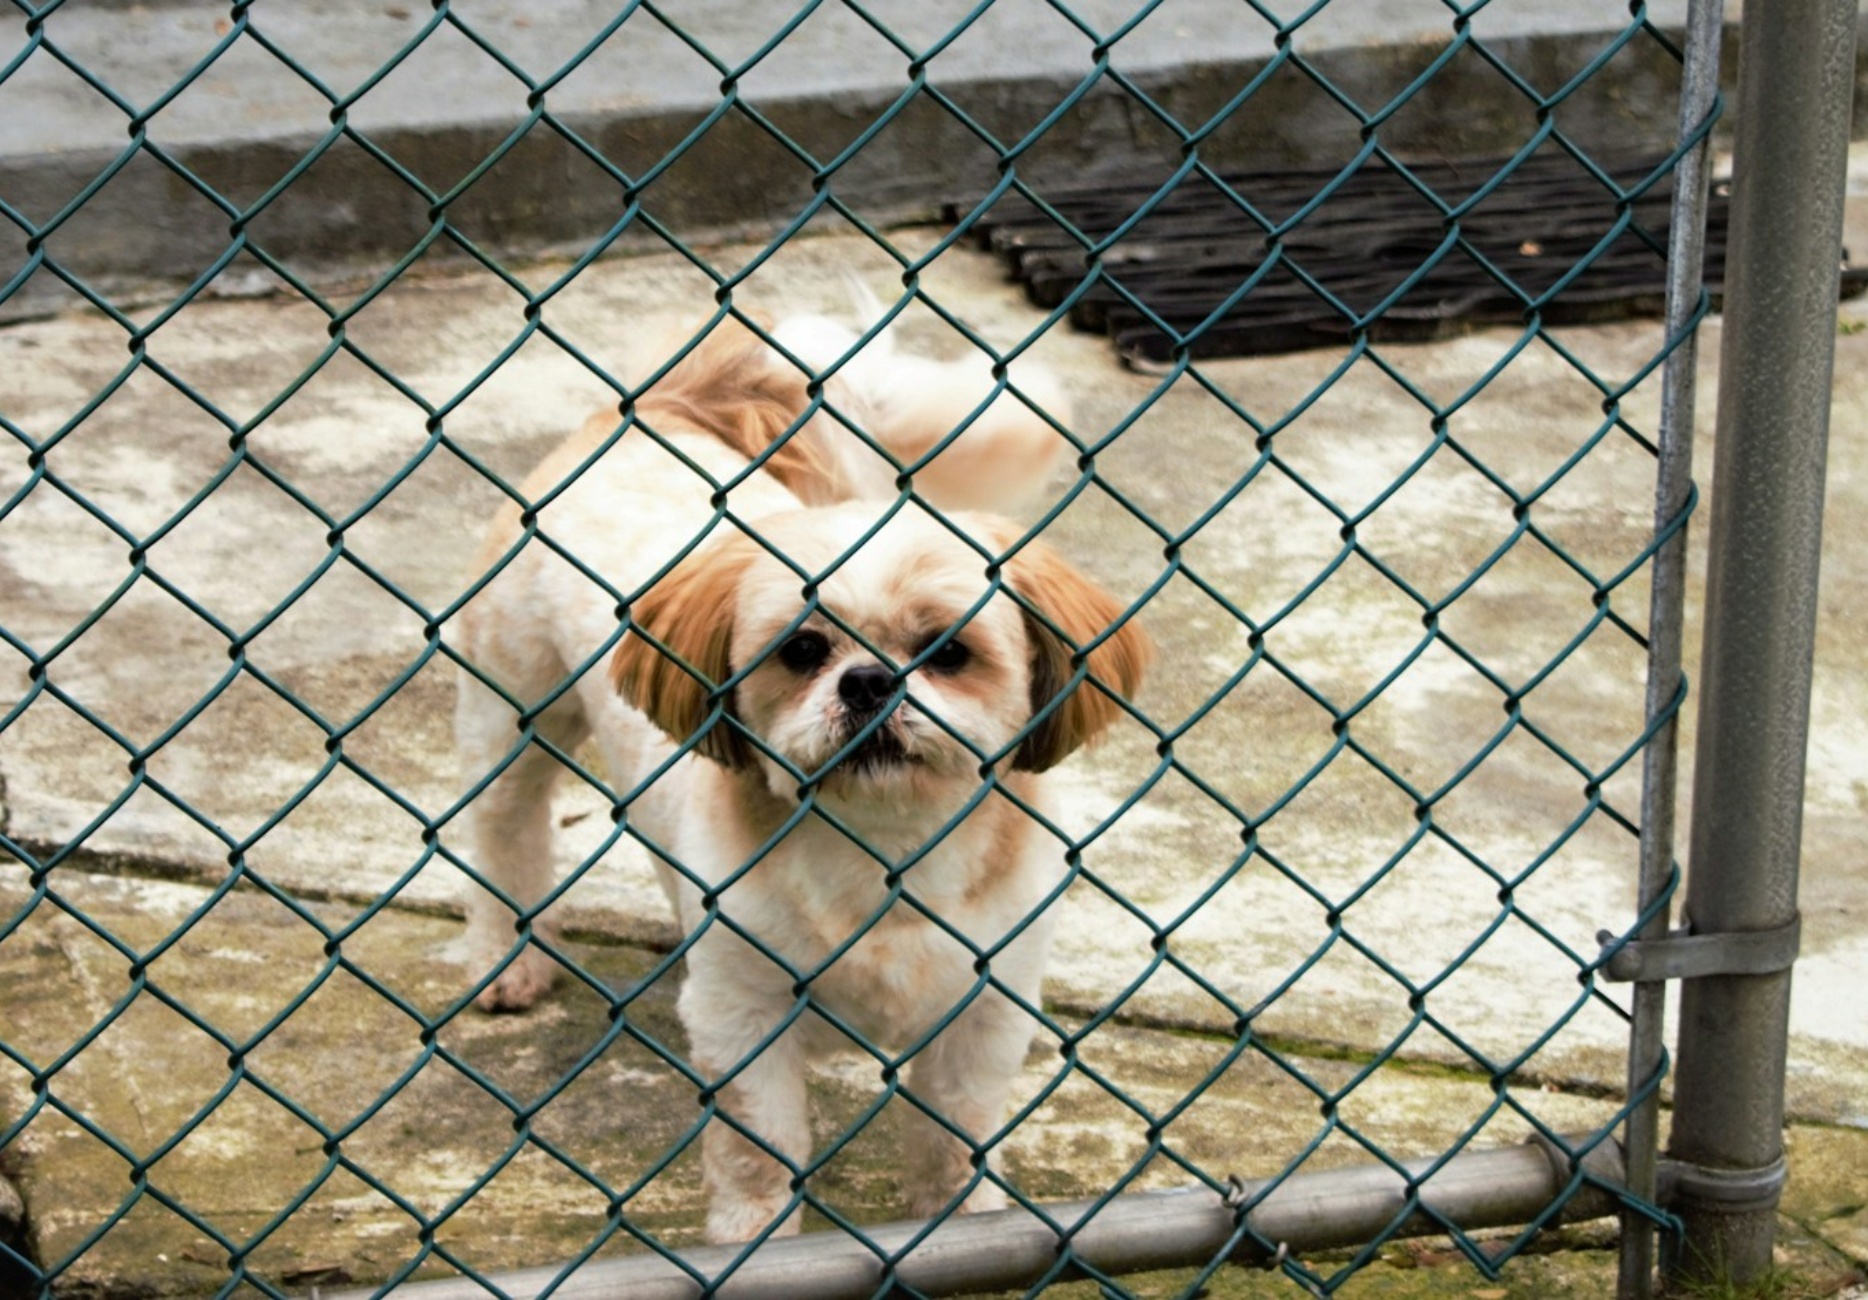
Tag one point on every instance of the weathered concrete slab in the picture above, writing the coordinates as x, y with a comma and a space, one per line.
425, 109
141, 50
348, 433
298, 1124
146, 452
142, 1077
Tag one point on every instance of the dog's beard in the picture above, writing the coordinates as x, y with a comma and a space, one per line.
876, 754
903, 768
886, 753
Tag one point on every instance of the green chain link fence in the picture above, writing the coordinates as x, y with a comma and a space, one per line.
632, 1022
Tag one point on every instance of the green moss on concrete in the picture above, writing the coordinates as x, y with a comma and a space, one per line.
275, 1150
1826, 1198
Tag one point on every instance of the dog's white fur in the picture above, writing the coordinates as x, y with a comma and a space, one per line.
731, 611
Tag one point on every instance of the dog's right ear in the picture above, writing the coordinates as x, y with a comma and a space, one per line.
690, 611
1060, 600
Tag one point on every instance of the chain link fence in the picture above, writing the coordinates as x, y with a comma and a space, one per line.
1353, 835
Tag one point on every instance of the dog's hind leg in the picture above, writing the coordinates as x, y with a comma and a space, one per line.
642, 772
509, 841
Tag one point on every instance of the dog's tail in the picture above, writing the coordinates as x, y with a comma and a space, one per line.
824, 343
733, 386
1008, 445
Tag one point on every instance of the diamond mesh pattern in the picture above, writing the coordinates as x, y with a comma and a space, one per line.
1432, 819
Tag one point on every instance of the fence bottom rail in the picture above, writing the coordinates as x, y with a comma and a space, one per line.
1135, 1233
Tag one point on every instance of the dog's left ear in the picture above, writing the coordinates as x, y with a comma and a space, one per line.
690, 611
1082, 612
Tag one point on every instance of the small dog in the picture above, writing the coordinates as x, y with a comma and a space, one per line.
849, 835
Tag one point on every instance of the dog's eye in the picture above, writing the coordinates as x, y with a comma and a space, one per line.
950, 658
804, 651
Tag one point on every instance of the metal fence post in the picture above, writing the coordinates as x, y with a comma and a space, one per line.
1686, 297
1792, 123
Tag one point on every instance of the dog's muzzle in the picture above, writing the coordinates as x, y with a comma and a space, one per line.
865, 688
865, 691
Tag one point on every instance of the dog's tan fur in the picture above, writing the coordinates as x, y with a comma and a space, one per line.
730, 610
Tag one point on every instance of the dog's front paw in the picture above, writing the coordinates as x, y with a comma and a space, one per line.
524, 981
927, 1203
985, 1198
741, 1218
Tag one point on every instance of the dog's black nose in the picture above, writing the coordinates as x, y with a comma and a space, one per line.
865, 688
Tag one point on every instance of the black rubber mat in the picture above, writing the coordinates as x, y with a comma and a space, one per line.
1187, 260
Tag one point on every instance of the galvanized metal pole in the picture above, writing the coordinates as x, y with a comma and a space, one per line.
1686, 291
1792, 121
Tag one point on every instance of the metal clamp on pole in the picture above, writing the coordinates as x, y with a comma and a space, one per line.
1735, 1191
1685, 955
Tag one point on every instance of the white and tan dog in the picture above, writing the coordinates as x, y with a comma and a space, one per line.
850, 832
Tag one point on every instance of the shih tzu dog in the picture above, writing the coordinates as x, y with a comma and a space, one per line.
829, 713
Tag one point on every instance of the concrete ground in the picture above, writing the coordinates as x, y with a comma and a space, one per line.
185, 1047
262, 94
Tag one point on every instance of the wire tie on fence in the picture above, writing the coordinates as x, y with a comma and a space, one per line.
1238, 1192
